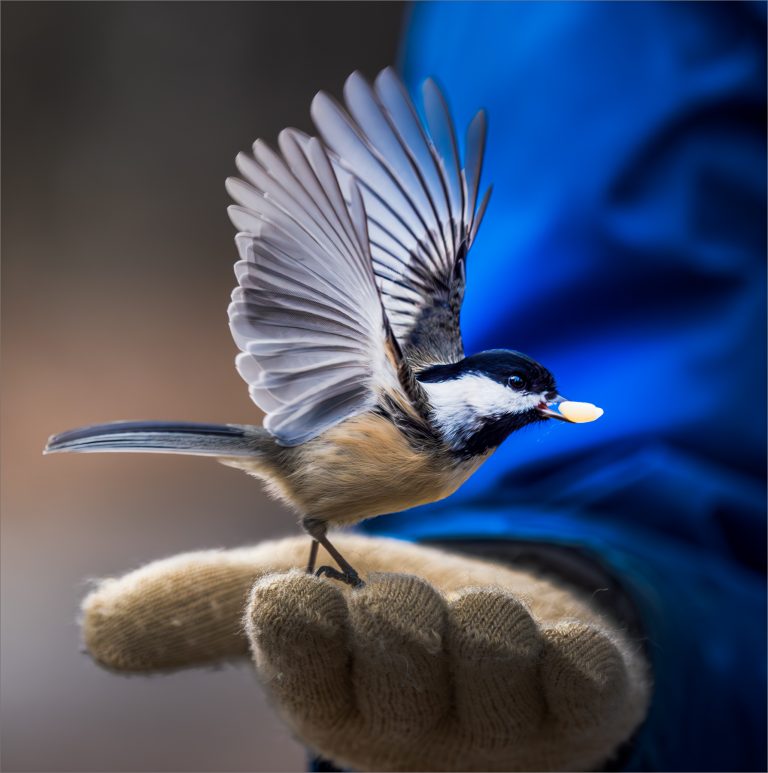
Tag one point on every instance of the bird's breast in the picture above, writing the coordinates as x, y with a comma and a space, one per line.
366, 467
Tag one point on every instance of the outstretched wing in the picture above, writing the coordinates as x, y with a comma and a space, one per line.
421, 204
307, 315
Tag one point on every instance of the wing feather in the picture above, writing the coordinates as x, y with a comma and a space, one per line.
444, 138
402, 115
421, 204
473, 162
307, 314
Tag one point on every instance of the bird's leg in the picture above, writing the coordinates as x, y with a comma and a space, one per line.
312, 557
317, 529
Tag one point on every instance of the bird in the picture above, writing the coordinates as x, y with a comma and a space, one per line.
353, 248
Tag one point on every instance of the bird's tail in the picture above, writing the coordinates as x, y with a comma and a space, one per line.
162, 437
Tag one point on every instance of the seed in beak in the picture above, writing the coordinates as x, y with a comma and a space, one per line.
580, 413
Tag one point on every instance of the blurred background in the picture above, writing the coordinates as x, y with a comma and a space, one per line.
120, 123
624, 247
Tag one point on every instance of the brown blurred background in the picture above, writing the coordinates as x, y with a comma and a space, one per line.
120, 123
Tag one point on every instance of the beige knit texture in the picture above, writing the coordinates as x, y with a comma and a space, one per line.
451, 663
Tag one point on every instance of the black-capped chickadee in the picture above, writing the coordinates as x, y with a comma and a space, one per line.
353, 250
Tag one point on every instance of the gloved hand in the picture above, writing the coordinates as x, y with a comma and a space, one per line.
450, 663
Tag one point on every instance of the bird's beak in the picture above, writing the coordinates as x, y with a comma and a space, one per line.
546, 409
573, 413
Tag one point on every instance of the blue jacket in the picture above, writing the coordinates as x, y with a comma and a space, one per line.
624, 248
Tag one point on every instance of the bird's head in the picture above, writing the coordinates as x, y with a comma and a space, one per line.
477, 402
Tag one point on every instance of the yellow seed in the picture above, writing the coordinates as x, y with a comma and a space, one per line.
580, 412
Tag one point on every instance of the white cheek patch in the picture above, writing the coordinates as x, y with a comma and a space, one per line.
461, 405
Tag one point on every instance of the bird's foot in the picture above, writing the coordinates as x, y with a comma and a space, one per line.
350, 577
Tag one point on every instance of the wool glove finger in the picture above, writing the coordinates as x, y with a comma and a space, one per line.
302, 625
495, 648
400, 676
582, 667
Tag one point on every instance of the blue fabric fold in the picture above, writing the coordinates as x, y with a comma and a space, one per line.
624, 248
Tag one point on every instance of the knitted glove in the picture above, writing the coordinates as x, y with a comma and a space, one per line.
449, 664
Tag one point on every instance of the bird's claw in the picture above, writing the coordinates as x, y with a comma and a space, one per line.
350, 578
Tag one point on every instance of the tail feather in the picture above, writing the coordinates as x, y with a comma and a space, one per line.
161, 437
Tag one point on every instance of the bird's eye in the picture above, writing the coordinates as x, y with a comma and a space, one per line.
516, 382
